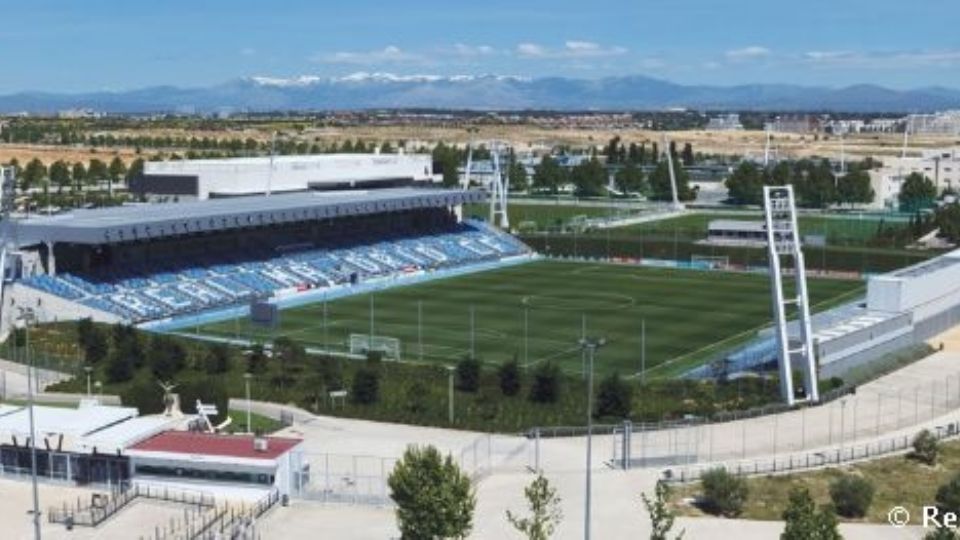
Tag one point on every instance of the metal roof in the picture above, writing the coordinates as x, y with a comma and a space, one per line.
209, 444
151, 221
78, 422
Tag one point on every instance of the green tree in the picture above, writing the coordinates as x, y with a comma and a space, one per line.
629, 179
661, 516
854, 187
947, 219
287, 352
366, 386
79, 175
588, 178
447, 159
517, 175
805, 522
723, 493
917, 192
217, 358
33, 174
545, 512
926, 448
93, 341
614, 397
851, 495
686, 156
97, 171
434, 498
660, 188
948, 495
60, 175
256, 359
745, 184
135, 171
508, 374
468, 375
165, 356
548, 175
545, 387
117, 169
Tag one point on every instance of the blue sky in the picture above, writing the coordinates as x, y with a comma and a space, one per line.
82, 45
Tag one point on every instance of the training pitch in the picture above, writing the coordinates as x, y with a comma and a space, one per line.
687, 316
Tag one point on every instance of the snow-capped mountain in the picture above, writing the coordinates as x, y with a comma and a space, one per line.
484, 92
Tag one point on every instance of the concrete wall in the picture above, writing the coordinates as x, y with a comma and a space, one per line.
48, 307
293, 173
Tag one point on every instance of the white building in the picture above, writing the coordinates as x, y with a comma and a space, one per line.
940, 166
725, 122
202, 179
940, 123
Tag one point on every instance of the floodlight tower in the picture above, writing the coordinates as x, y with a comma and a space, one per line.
783, 241
465, 182
499, 184
675, 205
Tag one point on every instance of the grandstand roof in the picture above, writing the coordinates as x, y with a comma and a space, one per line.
150, 221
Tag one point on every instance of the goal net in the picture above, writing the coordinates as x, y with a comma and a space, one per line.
364, 343
710, 262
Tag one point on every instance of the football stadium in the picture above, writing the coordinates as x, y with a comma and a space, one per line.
392, 267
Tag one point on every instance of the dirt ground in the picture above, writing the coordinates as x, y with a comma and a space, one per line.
522, 137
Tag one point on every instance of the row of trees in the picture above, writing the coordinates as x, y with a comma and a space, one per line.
74, 176
617, 152
815, 183
589, 177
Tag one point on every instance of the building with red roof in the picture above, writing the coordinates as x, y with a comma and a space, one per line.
245, 459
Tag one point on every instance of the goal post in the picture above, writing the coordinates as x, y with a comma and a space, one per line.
710, 262
364, 343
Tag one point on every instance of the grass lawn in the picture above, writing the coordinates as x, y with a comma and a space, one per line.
846, 230
686, 314
258, 422
898, 481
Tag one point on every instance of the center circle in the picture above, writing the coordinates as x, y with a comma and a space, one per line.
579, 302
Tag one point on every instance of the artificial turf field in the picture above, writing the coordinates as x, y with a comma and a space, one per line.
688, 315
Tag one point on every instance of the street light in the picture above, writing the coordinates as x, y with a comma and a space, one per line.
590, 346
246, 380
89, 370
28, 316
450, 371
99, 386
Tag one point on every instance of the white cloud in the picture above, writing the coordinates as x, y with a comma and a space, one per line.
390, 54
571, 49
469, 51
884, 59
748, 53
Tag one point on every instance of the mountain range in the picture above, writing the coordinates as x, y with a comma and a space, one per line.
483, 92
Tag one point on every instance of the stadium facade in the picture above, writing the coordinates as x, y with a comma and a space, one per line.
212, 178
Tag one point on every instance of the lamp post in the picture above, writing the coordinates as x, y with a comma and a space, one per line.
843, 410
450, 370
28, 316
246, 382
89, 370
99, 386
590, 346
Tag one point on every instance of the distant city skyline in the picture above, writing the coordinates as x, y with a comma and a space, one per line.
68, 46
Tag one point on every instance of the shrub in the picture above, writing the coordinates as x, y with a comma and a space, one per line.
615, 397
366, 386
509, 377
948, 495
803, 521
217, 359
723, 493
851, 496
468, 375
925, 447
546, 383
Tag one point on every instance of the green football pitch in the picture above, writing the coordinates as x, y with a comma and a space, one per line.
537, 312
